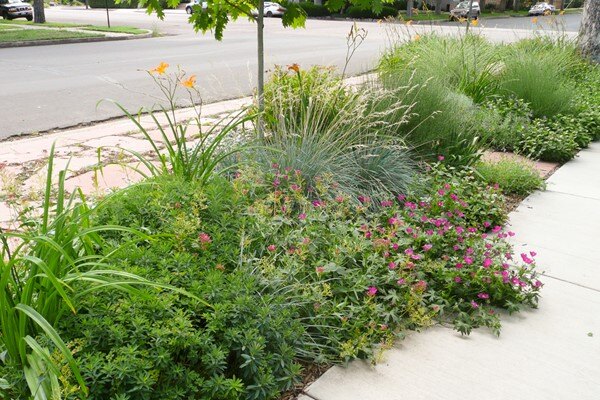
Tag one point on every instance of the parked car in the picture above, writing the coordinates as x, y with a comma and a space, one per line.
461, 11
542, 9
189, 8
271, 10
10, 9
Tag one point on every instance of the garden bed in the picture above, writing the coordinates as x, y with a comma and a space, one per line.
240, 263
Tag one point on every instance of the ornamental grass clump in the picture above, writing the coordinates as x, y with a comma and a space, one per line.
325, 129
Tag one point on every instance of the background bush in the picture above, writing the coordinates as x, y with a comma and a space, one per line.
315, 10
358, 12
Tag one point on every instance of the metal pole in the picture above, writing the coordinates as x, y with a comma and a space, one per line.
469, 14
107, 15
261, 67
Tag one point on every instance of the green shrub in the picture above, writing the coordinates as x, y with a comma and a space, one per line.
545, 143
513, 177
315, 10
366, 274
164, 346
512, 117
358, 12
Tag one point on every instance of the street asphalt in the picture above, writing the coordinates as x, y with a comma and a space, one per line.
58, 86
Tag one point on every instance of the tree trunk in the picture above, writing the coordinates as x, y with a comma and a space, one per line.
589, 34
482, 5
410, 4
261, 67
39, 16
517, 5
438, 6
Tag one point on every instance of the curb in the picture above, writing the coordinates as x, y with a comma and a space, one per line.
28, 43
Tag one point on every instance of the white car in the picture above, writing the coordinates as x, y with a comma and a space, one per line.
461, 11
189, 8
271, 10
542, 9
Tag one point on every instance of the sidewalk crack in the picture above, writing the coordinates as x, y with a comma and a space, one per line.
572, 283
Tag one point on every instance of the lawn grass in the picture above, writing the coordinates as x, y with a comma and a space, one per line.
425, 16
9, 27
41, 34
45, 25
117, 29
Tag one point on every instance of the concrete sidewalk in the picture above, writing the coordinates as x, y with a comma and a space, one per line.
545, 354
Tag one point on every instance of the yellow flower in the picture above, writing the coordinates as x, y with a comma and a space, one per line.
562, 12
409, 22
475, 22
294, 67
162, 67
534, 20
417, 37
189, 82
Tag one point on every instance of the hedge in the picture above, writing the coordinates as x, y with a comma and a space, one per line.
356, 12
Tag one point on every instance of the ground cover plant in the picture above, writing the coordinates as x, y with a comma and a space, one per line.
513, 177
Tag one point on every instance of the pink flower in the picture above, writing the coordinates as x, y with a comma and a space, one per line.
371, 291
401, 197
456, 247
427, 247
496, 229
526, 259
364, 199
271, 247
368, 234
415, 256
440, 158
302, 216
317, 203
537, 284
401, 281
483, 296
294, 187
441, 192
474, 304
532, 253
421, 286
395, 246
409, 230
470, 250
387, 203
459, 265
320, 270
392, 265
487, 262
393, 221
457, 279
511, 233
204, 238
409, 251
339, 199
468, 260
487, 224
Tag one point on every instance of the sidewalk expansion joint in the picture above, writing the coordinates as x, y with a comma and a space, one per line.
572, 283
573, 195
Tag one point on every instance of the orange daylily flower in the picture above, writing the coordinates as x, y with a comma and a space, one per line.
161, 69
417, 37
294, 67
189, 82
475, 22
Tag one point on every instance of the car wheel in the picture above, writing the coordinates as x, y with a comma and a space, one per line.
29, 18
188, 10
5, 15
269, 14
